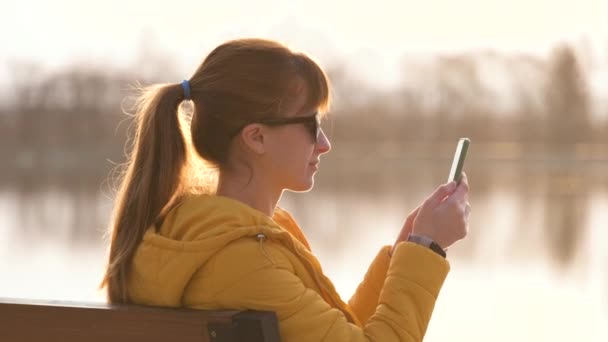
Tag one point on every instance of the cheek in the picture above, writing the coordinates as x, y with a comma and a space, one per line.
295, 158
292, 154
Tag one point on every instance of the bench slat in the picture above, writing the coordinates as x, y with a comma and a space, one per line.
25, 320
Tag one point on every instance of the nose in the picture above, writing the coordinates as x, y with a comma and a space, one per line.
323, 145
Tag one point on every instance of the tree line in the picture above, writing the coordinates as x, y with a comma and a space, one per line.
76, 117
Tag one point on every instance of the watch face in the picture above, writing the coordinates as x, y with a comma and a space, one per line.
427, 242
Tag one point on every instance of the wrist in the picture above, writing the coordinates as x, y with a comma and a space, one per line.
426, 241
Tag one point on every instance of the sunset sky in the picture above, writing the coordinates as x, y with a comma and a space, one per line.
61, 32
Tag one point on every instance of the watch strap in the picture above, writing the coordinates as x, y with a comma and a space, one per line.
427, 242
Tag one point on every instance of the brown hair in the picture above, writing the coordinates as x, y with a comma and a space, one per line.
239, 81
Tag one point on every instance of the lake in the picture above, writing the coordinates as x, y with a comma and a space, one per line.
534, 266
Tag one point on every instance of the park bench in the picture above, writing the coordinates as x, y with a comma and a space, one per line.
61, 321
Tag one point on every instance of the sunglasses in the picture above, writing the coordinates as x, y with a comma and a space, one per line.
312, 123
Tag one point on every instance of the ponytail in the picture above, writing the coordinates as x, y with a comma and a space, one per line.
151, 183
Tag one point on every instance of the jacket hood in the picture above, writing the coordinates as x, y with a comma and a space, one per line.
191, 234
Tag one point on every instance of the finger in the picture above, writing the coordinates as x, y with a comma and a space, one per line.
462, 191
409, 222
464, 180
436, 197
413, 214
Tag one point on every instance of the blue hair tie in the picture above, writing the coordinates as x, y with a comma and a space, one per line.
186, 86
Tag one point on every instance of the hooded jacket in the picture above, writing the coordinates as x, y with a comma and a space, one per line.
213, 252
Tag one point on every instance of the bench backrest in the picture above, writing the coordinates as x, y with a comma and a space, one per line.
29, 320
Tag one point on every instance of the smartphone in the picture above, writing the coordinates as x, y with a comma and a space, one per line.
458, 162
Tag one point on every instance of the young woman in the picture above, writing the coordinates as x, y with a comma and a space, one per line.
179, 241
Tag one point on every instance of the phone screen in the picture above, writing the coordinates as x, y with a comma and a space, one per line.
458, 162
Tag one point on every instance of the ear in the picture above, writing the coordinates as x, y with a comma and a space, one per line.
252, 137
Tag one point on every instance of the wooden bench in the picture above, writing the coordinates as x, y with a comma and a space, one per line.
29, 320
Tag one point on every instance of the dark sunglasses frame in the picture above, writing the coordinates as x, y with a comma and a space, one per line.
313, 121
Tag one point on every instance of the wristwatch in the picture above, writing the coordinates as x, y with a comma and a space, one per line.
427, 242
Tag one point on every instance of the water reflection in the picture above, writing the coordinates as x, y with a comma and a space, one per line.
547, 204
68, 206
532, 223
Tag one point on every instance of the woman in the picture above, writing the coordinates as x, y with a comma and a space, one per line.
180, 243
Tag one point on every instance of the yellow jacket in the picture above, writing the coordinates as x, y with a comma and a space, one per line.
212, 252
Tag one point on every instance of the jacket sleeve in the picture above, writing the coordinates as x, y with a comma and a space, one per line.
365, 299
246, 275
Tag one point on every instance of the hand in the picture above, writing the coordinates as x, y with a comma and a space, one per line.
406, 229
444, 216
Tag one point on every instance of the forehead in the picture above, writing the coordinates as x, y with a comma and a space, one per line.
299, 102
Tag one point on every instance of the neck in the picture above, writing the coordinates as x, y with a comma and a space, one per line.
252, 192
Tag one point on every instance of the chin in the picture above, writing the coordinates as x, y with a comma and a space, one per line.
304, 186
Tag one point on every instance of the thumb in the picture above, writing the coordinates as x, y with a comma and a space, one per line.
409, 222
436, 197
